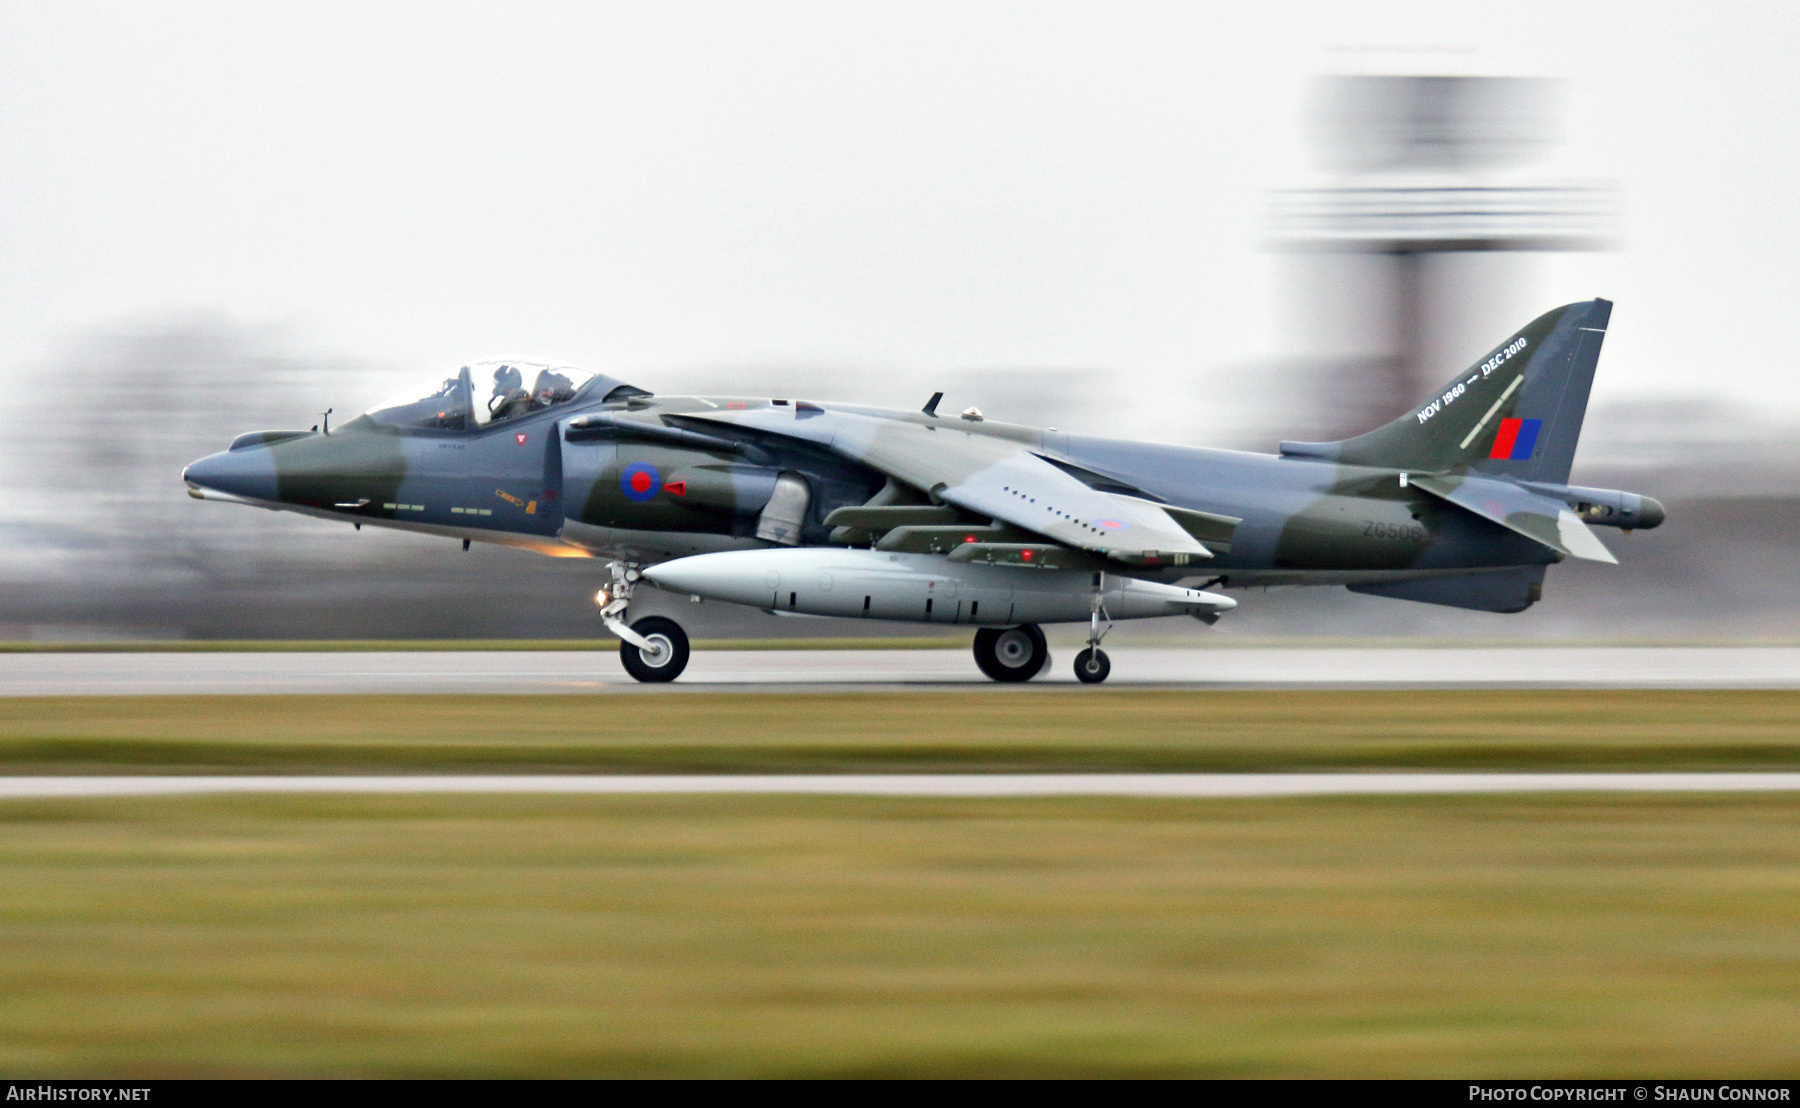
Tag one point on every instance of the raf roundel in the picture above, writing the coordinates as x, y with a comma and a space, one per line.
640, 481
1110, 524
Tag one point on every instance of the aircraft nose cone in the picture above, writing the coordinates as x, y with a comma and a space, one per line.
249, 472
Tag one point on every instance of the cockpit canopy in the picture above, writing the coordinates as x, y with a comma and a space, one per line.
495, 391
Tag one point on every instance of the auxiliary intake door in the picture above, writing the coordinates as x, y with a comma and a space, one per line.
783, 515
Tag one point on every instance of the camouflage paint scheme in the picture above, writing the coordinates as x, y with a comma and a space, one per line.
1418, 509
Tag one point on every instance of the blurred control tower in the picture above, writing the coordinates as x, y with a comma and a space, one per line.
1407, 261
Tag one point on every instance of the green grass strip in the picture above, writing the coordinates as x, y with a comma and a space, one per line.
983, 729
434, 936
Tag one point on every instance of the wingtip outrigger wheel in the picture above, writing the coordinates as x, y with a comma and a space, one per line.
654, 648
1092, 665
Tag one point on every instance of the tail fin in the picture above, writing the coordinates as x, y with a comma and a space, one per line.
1515, 413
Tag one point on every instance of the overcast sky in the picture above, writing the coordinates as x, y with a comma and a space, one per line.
886, 189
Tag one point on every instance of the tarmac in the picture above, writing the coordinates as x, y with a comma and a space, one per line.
541, 672
1198, 785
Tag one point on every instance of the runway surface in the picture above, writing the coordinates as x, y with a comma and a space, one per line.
1214, 785
894, 670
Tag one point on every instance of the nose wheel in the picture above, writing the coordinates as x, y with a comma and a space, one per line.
665, 656
654, 648
1012, 653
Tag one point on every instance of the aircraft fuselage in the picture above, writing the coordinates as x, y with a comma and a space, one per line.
538, 483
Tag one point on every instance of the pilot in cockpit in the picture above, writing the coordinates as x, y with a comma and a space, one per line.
550, 388
510, 398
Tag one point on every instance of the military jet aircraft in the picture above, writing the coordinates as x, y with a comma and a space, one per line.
795, 505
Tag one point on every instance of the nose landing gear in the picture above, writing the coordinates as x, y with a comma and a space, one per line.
654, 648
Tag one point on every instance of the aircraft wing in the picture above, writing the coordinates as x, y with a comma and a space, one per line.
993, 476
1536, 517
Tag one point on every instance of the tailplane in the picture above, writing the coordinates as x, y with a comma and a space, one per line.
1515, 413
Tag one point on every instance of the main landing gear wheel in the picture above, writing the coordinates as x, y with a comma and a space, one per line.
669, 656
1092, 666
1011, 653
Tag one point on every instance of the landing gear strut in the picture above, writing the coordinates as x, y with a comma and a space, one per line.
654, 648
1092, 664
1011, 653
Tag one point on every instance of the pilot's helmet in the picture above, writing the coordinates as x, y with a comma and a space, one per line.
506, 379
551, 385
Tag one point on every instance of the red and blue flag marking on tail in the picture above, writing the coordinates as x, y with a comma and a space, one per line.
1516, 440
